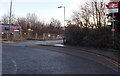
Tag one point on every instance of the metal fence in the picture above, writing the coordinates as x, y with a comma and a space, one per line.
44, 36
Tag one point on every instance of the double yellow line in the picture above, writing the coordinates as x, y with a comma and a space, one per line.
113, 62
117, 64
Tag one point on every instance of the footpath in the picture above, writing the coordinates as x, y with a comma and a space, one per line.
111, 55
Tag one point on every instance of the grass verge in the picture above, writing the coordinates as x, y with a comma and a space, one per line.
112, 50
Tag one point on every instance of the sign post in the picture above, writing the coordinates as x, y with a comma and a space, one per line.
113, 8
113, 30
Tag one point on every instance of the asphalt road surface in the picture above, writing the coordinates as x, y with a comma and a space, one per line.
19, 59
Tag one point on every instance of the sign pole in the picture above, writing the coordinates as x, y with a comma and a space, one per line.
113, 8
113, 30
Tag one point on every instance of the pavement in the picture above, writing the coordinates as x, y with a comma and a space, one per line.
111, 55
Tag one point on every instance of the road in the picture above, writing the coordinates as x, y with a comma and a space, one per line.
18, 58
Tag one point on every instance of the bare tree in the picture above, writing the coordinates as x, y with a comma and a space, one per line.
99, 12
22, 22
82, 16
55, 23
92, 14
31, 19
5, 19
76, 19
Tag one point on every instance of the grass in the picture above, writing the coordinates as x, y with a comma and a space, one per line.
22, 39
4, 39
112, 50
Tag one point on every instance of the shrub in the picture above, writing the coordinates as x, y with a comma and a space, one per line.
99, 37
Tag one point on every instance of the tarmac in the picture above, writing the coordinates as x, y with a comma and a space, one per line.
114, 57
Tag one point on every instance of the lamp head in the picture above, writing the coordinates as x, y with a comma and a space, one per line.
60, 7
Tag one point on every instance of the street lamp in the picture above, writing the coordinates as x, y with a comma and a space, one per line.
64, 14
8, 35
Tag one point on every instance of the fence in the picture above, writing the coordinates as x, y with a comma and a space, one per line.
44, 36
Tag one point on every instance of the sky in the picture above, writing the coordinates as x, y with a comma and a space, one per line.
44, 9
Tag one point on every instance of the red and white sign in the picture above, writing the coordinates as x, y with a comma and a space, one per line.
113, 7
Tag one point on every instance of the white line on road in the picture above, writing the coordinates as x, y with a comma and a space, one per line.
15, 65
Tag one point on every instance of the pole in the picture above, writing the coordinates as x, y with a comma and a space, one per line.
20, 33
64, 17
43, 36
113, 31
10, 19
36, 35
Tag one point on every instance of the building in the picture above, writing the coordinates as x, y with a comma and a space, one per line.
12, 32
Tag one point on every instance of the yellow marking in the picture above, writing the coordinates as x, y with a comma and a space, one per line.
110, 60
113, 62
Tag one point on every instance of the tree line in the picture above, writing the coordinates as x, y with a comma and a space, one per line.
32, 22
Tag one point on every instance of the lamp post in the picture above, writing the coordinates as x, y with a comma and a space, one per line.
10, 20
64, 40
64, 14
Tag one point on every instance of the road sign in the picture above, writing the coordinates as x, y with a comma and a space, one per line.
113, 7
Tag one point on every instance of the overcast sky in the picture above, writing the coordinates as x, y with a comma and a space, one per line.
44, 9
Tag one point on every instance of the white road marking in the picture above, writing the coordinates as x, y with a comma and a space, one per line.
15, 65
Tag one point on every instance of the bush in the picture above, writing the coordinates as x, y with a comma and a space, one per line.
99, 37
